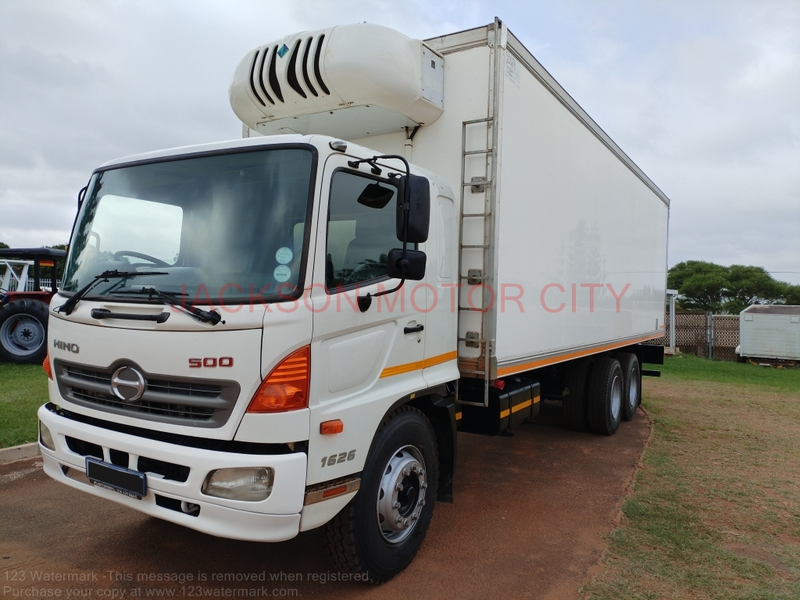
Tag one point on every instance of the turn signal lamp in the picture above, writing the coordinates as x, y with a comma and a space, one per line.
46, 366
286, 387
331, 427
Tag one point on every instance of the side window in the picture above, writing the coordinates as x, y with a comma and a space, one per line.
361, 229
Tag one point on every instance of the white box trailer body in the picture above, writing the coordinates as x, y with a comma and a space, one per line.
566, 236
185, 384
770, 331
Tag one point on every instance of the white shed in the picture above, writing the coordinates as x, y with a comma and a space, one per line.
770, 331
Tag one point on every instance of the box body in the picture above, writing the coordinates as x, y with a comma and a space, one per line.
563, 238
770, 332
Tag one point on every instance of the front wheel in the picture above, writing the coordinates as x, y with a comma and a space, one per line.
23, 331
379, 532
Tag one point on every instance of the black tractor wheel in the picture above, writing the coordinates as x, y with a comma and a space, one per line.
23, 331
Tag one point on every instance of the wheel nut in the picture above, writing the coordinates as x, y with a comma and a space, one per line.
399, 487
406, 472
396, 505
423, 485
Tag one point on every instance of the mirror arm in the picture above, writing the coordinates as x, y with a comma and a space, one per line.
82, 195
364, 302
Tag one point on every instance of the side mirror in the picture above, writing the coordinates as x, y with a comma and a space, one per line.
418, 209
411, 267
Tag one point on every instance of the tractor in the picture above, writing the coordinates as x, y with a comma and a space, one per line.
24, 311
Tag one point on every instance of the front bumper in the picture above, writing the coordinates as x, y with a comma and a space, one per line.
275, 519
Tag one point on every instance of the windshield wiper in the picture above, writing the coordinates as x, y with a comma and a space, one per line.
178, 301
70, 304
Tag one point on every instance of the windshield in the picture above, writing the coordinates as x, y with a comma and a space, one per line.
215, 229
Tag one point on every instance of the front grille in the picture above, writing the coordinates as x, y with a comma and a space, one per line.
197, 402
167, 470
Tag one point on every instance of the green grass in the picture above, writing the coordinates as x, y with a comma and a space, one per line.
22, 391
715, 511
686, 366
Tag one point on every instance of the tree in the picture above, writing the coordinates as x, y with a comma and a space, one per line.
791, 294
4, 245
750, 285
701, 285
710, 287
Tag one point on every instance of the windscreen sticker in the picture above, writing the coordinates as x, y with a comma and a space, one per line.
284, 255
282, 273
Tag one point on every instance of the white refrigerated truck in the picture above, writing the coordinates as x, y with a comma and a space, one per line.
263, 336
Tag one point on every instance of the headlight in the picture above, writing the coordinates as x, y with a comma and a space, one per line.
250, 484
45, 437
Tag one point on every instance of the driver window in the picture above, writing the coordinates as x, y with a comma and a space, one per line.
361, 229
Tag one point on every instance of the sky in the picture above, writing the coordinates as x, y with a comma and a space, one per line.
704, 95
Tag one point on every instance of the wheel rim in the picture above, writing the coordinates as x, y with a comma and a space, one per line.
616, 398
401, 494
22, 335
633, 392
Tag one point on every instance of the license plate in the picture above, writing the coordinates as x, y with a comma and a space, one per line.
117, 479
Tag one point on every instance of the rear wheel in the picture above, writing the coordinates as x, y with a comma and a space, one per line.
632, 384
605, 396
574, 403
23, 332
379, 532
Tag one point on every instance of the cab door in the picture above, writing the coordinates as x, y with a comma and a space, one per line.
361, 362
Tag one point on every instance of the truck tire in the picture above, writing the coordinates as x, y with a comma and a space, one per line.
577, 383
23, 332
605, 396
379, 532
631, 384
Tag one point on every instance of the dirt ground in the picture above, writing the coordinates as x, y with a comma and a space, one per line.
529, 520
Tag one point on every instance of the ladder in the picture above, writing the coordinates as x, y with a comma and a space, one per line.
479, 167
476, 235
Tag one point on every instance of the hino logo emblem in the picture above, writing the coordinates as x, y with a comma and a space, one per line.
127, 384
68, 346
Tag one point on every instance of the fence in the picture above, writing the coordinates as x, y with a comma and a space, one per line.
45, 283
694, 331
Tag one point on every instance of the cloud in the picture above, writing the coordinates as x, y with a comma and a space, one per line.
702, 95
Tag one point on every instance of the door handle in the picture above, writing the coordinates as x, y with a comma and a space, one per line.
413, 329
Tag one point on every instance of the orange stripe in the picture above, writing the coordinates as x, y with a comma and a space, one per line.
505, 371
420, 364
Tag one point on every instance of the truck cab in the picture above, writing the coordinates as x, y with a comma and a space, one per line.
230, 334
